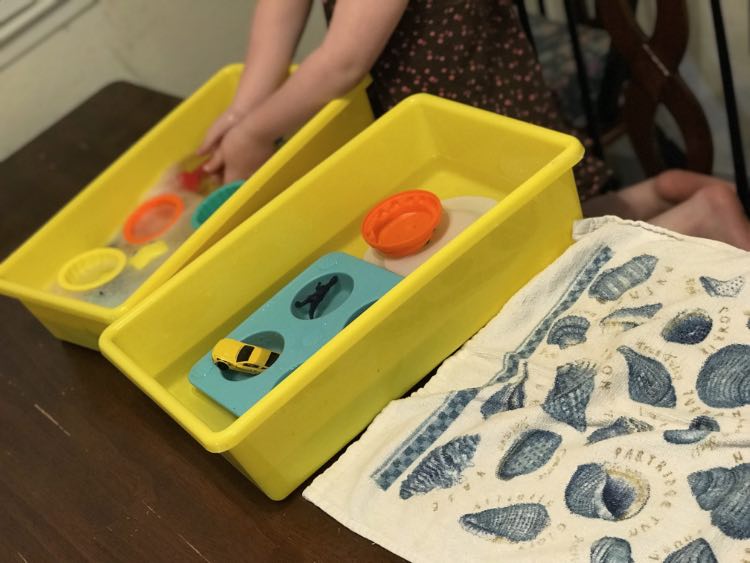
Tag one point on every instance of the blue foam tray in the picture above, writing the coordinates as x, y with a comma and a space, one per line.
281, 326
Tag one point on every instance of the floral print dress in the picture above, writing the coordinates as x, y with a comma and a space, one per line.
474, 52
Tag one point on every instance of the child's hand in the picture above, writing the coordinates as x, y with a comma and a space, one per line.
218, 129
240, 153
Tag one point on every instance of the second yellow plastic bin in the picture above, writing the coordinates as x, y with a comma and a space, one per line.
97, 213
425, 142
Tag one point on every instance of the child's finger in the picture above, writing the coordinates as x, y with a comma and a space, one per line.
211, 139
214, 163
215, 134
217, 131
205, 147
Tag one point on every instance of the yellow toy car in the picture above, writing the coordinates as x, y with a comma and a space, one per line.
240, 356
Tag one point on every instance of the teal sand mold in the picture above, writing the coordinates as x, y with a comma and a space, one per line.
295, 323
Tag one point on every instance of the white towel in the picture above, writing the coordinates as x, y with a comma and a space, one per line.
602, 416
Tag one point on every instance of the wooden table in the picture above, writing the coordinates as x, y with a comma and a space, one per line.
91, 468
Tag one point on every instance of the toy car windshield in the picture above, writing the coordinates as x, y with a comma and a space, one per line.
244, 354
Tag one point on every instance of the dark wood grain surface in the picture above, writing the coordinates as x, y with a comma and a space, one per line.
90, 468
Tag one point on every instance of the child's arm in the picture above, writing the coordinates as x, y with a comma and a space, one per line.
358, 32
274, 33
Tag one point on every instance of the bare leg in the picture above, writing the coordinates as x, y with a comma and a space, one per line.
652, 197
685, 202
712, 212
678, 185
638, 202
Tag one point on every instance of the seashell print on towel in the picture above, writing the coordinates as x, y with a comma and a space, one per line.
611, 550
612, 284
698, 551
568, 331
630, 317
649, 381
700, 427
441, 468
510, 396
718, 288
726, 494
528, 453
600, 491
517, 522
568, 399
724, 379
620, 427
689, 327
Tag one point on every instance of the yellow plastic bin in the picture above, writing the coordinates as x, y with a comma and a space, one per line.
425, 142
97, 213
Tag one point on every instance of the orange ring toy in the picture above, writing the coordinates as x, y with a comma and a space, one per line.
402, 223
161, 212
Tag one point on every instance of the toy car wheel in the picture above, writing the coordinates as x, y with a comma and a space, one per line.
222, 366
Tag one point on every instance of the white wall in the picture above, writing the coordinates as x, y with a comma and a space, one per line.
704, 76
172, 46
